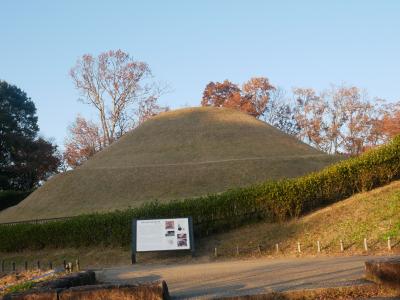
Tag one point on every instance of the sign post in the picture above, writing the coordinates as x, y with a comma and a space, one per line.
162, 235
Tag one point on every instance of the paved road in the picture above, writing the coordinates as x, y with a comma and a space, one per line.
230, 278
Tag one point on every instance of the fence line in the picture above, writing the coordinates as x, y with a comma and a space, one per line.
236, 250
36, 221
254, 213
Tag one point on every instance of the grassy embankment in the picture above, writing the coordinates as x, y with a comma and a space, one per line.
374, 215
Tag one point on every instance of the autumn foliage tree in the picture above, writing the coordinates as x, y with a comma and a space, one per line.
257, 91
341, 119
122, 92
252, 98
388, 126
111, 83
84, 140
219, 94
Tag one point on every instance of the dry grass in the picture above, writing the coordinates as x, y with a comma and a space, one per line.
151, 291
15, 278
365, 291
89, 258
374, 215
23, 280
178, 154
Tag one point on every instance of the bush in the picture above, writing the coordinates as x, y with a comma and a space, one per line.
271, 201
11, 198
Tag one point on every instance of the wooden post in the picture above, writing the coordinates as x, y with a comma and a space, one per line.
365, 244
389, 244
26, 266
38, 265
237, 249
318, 247
298, 247
341, 246
215, 252
51, 265
77, 265
13, 266
277, 248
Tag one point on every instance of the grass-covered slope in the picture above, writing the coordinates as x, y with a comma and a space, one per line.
374, 215
178, 154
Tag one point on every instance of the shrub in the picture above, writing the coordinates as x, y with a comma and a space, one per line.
272, 201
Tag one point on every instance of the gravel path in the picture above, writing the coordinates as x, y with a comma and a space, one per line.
243, 277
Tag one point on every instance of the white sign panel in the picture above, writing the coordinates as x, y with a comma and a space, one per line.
162, 234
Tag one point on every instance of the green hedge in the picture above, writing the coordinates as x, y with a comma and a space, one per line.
11, 198
272, 201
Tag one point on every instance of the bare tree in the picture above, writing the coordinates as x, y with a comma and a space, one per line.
280, 112
112, 82
148, 109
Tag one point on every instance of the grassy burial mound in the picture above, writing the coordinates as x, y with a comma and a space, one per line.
270, 201
178, 154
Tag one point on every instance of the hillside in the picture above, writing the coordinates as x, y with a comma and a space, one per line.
177, 154
374, 215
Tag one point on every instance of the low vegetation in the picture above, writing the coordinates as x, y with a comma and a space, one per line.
374, 215
271, 201
20, 281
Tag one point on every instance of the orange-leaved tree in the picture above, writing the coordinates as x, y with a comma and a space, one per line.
84, 140
252, 98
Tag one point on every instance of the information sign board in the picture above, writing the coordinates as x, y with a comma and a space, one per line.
161, 235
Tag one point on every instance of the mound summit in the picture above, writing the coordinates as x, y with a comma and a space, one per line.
177, 154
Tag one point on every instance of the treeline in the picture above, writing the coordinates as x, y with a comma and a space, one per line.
270, 201
340, 119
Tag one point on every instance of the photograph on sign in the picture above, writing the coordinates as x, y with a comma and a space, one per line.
162, 234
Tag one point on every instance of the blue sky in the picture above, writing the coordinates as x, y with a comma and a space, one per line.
189, 43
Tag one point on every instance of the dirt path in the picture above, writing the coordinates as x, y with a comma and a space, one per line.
231, 278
